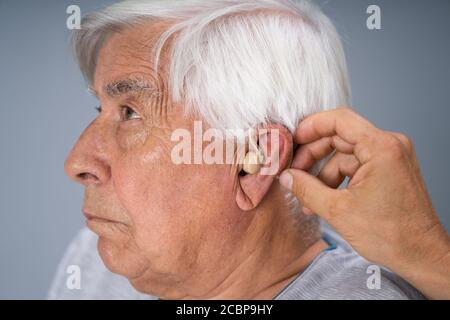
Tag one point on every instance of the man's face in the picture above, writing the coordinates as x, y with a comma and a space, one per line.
156, 221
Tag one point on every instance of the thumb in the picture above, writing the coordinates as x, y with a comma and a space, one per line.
309, 190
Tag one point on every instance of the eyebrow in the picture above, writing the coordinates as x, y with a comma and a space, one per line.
127, 86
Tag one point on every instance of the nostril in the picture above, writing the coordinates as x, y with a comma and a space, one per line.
87, 177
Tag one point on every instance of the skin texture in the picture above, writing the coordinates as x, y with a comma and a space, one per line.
385, 212
179, 231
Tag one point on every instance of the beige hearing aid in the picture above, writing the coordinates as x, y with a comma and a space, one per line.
253, 160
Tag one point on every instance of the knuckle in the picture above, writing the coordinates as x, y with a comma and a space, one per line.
394, 147
353, 163
407, 142
346, 111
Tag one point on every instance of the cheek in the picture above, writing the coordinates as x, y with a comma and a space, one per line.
173, 201
138, 176
148, 183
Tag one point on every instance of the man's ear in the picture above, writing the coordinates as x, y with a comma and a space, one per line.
275, 143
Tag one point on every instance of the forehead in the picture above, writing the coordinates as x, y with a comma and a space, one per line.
129, 53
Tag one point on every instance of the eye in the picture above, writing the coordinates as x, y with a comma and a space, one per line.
99, 109
129, 114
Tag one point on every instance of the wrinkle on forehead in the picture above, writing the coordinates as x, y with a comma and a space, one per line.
127, 60
132, 51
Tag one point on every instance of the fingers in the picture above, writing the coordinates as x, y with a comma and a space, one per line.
335, 171
341, 165
308, 154
407, 143
344, 123
310, 191
356, 142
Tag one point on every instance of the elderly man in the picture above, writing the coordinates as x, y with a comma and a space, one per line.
202, 230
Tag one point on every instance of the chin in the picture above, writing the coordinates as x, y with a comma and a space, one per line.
120, 259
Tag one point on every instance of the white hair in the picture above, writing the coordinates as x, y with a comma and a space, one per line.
235, 63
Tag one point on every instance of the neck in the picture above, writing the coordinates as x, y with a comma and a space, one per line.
284, 248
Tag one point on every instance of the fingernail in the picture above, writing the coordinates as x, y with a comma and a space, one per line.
286, 180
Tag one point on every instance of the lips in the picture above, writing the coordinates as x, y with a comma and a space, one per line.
96, 218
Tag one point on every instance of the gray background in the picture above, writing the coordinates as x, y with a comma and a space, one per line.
400, 77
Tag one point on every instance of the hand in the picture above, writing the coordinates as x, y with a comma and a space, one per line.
385, 213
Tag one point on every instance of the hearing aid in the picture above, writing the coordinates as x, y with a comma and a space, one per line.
253, 160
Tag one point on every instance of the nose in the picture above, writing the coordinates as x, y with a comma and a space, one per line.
88, 161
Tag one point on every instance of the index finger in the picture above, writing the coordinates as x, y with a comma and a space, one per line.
343, 122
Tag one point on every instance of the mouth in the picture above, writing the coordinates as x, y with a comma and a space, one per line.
90, 218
